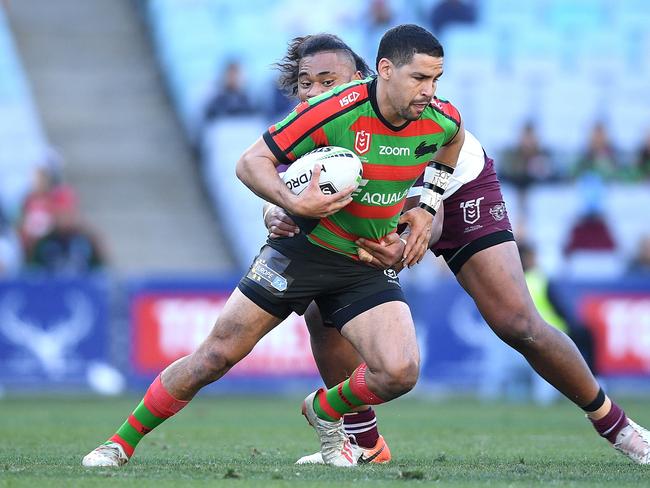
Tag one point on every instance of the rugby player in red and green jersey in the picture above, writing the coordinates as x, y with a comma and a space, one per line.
366, 303
482, 255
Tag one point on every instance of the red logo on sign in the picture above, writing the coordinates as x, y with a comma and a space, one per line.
621, 328
362, 142
168, 325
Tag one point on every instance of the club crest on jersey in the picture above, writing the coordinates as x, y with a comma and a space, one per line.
471, 210
362, 142
498, 212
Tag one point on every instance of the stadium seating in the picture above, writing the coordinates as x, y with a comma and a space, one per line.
22, 141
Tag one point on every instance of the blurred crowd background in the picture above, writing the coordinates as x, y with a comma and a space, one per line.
121, 121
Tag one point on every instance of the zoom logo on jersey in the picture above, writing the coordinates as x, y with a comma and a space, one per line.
394, 151
348, 99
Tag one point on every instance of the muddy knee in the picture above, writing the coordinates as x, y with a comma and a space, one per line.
216, 356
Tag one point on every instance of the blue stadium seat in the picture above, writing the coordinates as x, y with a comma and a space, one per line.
565, 15
510, 13
547, 228
223, 143
22, 142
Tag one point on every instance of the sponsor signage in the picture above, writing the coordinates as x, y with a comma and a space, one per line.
169, 324
620, 325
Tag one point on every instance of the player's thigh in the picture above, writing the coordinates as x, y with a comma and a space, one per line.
240, 325
495, 279
327, 335
385, 337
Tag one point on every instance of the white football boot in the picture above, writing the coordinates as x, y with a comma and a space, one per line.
380, 454
110, 454
316, 458
634, 441
336, 449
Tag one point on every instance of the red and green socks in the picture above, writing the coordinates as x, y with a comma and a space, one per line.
156, 407
332, 404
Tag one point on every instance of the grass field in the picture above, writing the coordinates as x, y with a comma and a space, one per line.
249, 441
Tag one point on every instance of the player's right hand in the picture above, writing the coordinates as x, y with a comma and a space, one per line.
313, 203
279, 223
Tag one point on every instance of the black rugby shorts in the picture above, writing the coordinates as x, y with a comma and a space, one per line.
289, 273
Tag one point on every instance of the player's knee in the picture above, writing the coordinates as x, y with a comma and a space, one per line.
210, 364
215, 357
401, 377
521, 329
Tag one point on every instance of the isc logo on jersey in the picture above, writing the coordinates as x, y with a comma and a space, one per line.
394, 151
348, 99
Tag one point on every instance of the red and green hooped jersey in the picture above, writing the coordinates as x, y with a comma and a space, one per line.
393, 157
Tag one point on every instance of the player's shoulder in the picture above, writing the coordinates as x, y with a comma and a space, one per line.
343, 96
445, 108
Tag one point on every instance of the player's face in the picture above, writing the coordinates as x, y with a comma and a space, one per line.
323, 71
411, 87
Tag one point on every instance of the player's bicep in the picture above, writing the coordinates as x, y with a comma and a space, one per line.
261, 150
254, 159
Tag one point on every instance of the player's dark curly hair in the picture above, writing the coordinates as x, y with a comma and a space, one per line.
300, 47
401, 43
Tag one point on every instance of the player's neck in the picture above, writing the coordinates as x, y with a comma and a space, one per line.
385, 107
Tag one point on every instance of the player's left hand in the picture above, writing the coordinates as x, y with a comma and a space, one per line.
383, 254
278, 223
420, 224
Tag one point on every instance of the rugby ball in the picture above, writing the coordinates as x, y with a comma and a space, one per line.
340, 167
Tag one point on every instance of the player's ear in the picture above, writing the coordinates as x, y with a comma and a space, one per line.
385, 68
357, 76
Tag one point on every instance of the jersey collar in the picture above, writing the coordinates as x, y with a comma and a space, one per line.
372, 95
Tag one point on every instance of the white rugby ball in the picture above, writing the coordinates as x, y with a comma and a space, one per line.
340, 167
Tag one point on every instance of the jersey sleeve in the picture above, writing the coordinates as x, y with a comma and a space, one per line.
283, 137
452, 114
305, 128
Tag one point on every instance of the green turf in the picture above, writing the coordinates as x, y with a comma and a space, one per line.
246, 442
